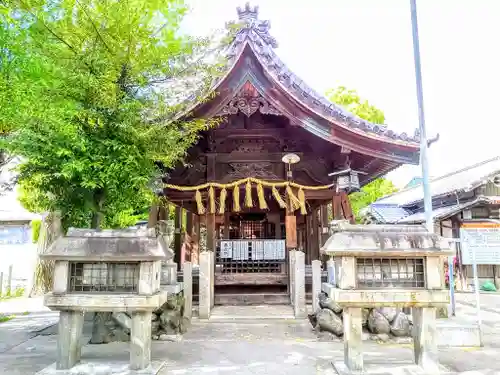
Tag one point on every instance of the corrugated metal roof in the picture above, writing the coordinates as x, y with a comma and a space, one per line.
462, 180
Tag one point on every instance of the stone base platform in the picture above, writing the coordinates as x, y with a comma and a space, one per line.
402, 368
103, 368
458, 334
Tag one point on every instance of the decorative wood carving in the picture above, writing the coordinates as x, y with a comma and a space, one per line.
248, 101
249, 147
258, 170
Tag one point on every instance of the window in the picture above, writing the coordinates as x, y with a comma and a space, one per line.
390, 272
104, 277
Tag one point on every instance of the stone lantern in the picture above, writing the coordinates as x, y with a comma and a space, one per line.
387, 266
106, 271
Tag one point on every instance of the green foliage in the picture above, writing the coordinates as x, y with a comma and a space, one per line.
5, 318
18, 292
36, 225
370, 193
351, 101
380, 187
90, 106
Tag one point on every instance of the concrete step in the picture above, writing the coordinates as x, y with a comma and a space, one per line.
248, 299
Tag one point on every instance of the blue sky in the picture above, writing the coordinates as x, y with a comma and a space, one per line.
366, 45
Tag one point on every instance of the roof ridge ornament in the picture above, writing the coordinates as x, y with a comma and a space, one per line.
252, 27
248, 12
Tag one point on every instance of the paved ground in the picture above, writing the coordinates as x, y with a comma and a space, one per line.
243, 347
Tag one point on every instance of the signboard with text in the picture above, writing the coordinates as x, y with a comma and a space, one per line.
483, 239
14, 235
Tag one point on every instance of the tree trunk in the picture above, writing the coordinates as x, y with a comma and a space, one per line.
50, 230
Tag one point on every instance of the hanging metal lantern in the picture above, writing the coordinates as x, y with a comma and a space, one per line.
347, 180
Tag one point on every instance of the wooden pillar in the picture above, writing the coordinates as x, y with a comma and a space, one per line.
195, 256
189, 222
291, 231
314, 251
300, 238
177, 235
341, 207
337, 207
277, 227
153, 216
324, 224
210, 223
346, 207
210, 217
274, 218
227, 222
164, 211
308, 237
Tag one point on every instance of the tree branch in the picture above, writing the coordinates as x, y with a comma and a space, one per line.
94, 27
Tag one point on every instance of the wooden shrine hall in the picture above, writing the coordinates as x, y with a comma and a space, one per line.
258, 185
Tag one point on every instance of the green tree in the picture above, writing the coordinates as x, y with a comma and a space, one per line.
89, 102
351, 101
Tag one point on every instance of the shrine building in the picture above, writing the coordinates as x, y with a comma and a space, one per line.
259, 183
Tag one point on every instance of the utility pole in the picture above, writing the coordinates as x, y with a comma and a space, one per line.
429, 222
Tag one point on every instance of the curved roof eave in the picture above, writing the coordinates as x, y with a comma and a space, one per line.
414, 143
232, 62
255, 34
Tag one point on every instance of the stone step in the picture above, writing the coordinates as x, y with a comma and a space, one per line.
252, 313
239, 299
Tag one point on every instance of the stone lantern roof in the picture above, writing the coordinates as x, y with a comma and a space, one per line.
387, 240
127, 245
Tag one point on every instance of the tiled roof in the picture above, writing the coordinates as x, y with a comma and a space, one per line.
255, 34
387, 214
415, 181
442, 212
465, 179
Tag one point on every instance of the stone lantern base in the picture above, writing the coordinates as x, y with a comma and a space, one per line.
389, 368
103, 368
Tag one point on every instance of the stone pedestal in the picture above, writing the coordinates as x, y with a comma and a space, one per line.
68, 345
187, 273
140, 341
299, 290
425, 339
291, 272
205, 285
212, 279
330, 267
353, 351
316, 283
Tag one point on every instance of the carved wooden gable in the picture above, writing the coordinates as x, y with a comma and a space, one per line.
248, 101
